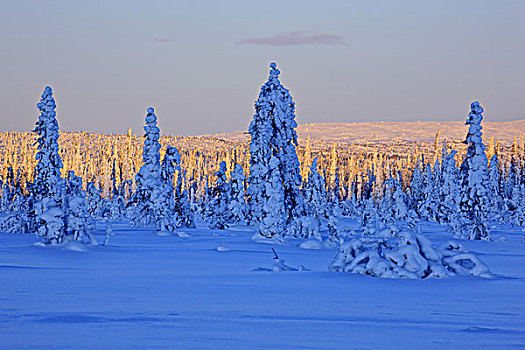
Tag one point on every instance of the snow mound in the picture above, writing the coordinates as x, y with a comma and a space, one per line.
407, 256
181, 233
75, 246
163, 233
258, 238
311, 244
279, 265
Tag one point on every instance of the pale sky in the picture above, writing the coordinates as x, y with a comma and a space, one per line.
200, 64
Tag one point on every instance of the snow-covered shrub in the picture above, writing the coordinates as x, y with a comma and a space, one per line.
407, 256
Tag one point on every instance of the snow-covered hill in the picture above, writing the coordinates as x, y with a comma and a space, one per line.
395, 132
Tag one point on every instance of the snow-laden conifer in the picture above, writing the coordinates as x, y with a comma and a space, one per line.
48, 188
148, 178
219, 212
400, 203
78, 218
448, 190
473, 197
184, 212
237, 198
273, 134
164, 203
315, 194
496, 193
47, 171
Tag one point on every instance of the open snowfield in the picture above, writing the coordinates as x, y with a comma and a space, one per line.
201, 292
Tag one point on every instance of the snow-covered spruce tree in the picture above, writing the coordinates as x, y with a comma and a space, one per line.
237, 198
473, 197
386, 206
219, 212
369, 217
315, 196
95, 202
333, 223
78, 218
273, 134
50, 221
148, 178
317, 205
273, 221
516, 206
399, 197
497, 204
415, 189
164, 203
428, 207
184, 213
447, 193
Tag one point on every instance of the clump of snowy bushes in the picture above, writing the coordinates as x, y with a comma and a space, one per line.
407, 256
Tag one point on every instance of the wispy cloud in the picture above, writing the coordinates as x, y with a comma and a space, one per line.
295, 38
162, 40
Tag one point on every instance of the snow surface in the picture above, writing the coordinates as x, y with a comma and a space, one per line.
149, 291
394, 132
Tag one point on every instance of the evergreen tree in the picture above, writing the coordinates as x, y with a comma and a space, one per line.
78, 218
333, 222
315, 194
164, 203
218, 208
183, 210
273, 134
516, 206
386, 206
497, 205
474, 202
148, 178
400, 205
448, 189
48, 187
237, 205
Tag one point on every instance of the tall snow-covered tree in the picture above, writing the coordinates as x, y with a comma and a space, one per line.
237, 203
78, 218
316, 201
399, 197
184, 213
474, 201
273, 134
164, 204
448, 189
496, 195
315, 193
47, 171
219, 212
48, 187
148, 178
